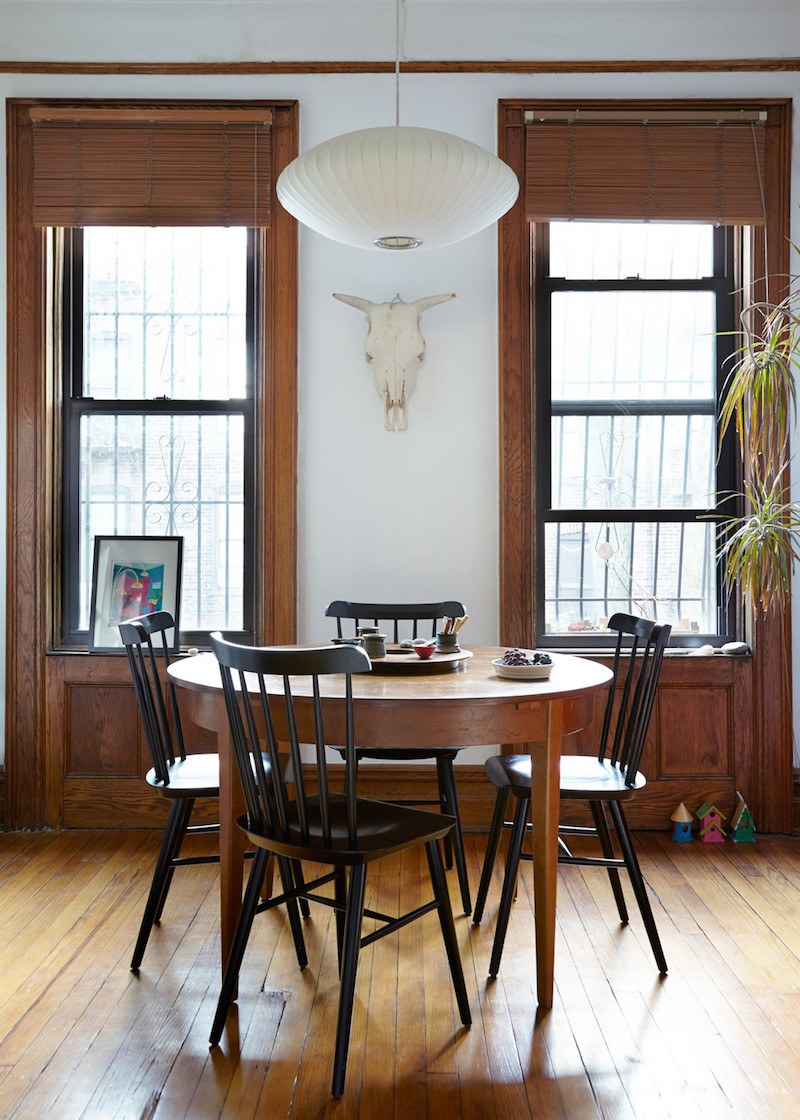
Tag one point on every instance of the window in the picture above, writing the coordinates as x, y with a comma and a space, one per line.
629, 368
159, 411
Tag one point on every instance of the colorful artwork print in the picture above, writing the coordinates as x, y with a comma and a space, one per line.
136, 589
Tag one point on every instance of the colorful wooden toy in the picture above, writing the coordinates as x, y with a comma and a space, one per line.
742, 822
683, 824
711, 818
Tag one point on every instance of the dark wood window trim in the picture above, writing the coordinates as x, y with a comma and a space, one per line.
34, 761
771, 637
418, 66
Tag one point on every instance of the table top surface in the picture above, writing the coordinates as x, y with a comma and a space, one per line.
473, 680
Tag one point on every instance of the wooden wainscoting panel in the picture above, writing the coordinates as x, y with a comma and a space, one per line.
693, 737
101, 729
97, 756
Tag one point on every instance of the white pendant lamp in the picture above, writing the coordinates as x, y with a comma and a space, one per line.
397, 187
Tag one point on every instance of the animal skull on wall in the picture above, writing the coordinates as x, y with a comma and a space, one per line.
395, 348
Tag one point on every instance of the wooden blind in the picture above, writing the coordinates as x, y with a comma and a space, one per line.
175, 168
679, 172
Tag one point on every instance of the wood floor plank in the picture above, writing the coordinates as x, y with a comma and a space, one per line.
81, 1037
409, 1100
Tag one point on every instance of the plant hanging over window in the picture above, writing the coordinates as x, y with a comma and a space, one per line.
760, 399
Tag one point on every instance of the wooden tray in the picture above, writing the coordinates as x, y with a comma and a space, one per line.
412, 664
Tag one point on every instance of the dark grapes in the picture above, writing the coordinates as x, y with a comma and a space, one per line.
520, 657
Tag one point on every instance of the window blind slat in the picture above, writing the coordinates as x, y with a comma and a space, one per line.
151, 173
666, 172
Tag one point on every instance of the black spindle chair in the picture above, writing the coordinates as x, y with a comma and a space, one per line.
416, 620
176, 776
339, 830
606, 779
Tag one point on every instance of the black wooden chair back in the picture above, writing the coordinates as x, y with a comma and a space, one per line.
296, 819
628, 710
145, 641
421, 619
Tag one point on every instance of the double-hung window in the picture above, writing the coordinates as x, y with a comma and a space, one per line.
158, 428
642, 221
161, 219
633, 325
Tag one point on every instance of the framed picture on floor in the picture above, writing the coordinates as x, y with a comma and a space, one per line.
132, 576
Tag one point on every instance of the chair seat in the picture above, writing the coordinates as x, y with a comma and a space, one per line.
383, 828
195, 776
582, 776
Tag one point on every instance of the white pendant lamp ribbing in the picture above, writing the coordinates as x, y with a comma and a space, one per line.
397, 187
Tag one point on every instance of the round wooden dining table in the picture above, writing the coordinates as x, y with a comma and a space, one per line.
468, 705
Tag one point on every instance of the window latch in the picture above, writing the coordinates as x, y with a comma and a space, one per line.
163, 397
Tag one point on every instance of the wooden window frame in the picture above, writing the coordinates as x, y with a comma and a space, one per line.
33, 763
770, 637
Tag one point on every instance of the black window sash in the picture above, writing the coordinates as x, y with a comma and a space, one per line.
727, 470
76, 406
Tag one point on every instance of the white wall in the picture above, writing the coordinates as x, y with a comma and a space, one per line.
384, 514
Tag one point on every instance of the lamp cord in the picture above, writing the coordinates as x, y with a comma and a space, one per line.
397, 22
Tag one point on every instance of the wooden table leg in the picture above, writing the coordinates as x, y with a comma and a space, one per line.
545, 758
232, 841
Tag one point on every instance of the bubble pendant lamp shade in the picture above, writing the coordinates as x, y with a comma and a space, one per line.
397, 187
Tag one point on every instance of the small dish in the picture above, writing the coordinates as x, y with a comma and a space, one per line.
522, 672
423, 649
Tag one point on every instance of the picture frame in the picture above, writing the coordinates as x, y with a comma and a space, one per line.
132, 576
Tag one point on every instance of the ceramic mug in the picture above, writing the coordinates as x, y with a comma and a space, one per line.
447, 643
375, 645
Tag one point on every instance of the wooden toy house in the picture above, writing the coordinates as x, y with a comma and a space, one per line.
742, 825
711, 820
682, 820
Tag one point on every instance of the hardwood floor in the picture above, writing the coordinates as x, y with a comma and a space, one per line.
80, 1036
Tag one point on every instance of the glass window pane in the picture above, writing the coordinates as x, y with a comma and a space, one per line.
665, 571
165, 313
633, 462
170, 475
619, 250
633, 346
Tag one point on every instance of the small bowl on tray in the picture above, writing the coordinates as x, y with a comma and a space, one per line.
536, 672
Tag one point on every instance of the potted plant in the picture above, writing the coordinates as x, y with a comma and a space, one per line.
760, 546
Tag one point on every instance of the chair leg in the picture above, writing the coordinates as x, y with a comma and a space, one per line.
187, 806
300, 882
444, 807
179, 814
347, 988
638, 884
447, 786
242, 933
442, 896
509, 881
340, 896
288, 872
493, 843
267, 885
607, 848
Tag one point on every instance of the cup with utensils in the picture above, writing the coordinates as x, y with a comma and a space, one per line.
447, 638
